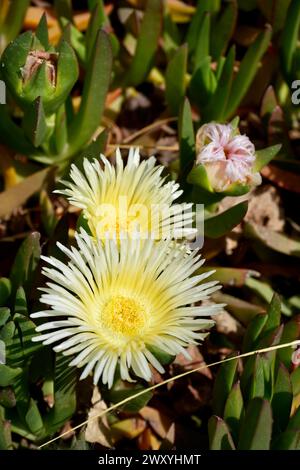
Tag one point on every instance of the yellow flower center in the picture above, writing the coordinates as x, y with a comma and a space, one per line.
124, 315
112, 225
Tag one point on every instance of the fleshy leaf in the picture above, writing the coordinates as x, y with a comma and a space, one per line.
219, 435
175, 79
233, 411
282, 398
223, 384
26, 262
247, 70
263, 157
146, 44
95, 89
256, 430
219, 225
186, 137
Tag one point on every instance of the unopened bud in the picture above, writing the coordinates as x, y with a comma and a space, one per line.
227, 156
30, 72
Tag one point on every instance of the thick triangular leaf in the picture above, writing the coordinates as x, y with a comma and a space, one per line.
282, 398
264, 156
234, 409
146, 44
175, 79
219, 225
256, 430
223, 384
96, 84
26, 262
219, 435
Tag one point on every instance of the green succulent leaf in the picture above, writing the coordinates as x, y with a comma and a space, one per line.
186, 138
288, 440
256, 430
98, 21
203, 39
264, 156
282, 398
96, 84
274, 314
7, 331
35, 125
224, 381
21, 348
175, 79
219, 225
198, 177
21, 302
64, 394
257, 382
12, 135
294, 422
5, 290
289, 38
203, 83
253, 332
74, 38
33, 418
146, 44
171, 36
60, 134
195, 24
26, 262
10, 69
247, 70
8, 375
219, 435
42, 32
234, 409
218, 103
4, 315
223, 29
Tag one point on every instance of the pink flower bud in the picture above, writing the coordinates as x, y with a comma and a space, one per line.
228, 157
296, 357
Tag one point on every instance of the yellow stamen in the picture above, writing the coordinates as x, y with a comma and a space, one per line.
124, 315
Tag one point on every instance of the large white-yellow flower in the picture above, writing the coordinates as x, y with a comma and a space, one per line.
115, 300
121, 201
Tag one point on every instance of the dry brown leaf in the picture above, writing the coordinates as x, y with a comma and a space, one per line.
282, 178
169, 440
189, 398
148, 441
17, 195
97, 430
196, 361
159, 422
265, 208
33, 16
129, 428
228, 325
